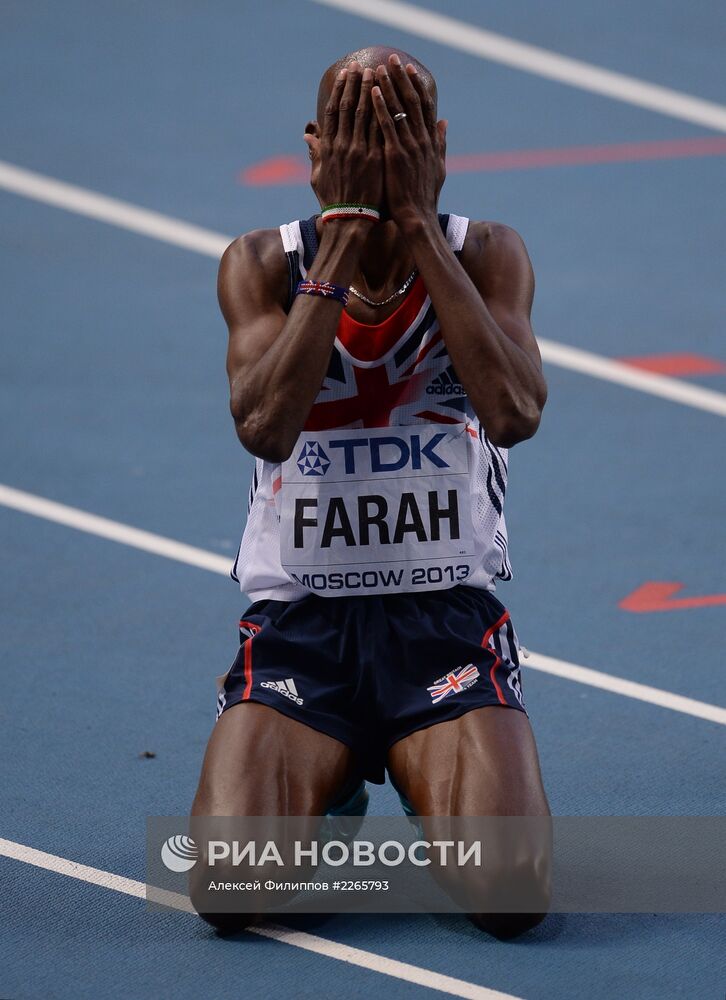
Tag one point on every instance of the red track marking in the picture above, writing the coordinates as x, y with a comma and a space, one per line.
657, 595
296, 169
278, 170
677, 364
576, 155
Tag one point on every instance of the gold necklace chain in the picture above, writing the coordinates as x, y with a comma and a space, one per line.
390, 298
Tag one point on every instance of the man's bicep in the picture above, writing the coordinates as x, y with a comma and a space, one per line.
504, 277
254, 318
250, 342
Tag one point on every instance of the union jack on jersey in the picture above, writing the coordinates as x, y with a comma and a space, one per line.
453, 682
381, 379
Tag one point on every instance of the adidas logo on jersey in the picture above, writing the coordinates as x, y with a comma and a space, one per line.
286, 688
444, 385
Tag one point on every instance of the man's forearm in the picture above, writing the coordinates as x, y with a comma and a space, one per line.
502, 382
275, 398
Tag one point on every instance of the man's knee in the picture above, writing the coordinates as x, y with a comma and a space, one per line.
513, 898
206, 902
505, 926
234, 897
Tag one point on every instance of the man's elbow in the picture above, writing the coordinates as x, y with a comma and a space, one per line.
263, 445
519, 424
508, 435
257, 436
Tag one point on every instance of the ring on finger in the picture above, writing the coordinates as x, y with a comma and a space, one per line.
400, 116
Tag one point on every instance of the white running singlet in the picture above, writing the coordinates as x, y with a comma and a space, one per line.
393, 485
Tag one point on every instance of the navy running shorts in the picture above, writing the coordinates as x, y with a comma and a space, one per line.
369, 671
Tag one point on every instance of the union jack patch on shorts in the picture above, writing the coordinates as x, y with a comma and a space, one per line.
453, 682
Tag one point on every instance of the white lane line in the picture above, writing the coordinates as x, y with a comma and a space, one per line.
609, 370
379, 963
111, 210
532, 59
297, 939
115, 531
630, 689
163, 227
53, 863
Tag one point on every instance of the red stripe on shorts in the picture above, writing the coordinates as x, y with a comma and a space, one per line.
248, 658
485, 642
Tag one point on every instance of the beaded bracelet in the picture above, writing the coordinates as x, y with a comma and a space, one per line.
325, 288
350, 210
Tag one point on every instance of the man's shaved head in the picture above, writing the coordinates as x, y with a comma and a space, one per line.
373, 56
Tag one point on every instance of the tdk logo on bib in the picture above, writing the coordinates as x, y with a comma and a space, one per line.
312, 460
388, 454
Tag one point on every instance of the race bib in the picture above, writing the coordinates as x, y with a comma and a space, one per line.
377, 510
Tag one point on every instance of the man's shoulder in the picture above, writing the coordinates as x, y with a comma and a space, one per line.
253, 267
483, 236
261, 248
493, 250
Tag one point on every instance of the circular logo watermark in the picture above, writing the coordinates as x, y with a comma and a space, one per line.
179, 854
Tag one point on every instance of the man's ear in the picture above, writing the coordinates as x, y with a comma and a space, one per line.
312, 139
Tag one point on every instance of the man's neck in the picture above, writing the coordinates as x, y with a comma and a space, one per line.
385, 261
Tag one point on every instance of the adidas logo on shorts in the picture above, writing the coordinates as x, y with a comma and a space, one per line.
444, 385
286, 688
